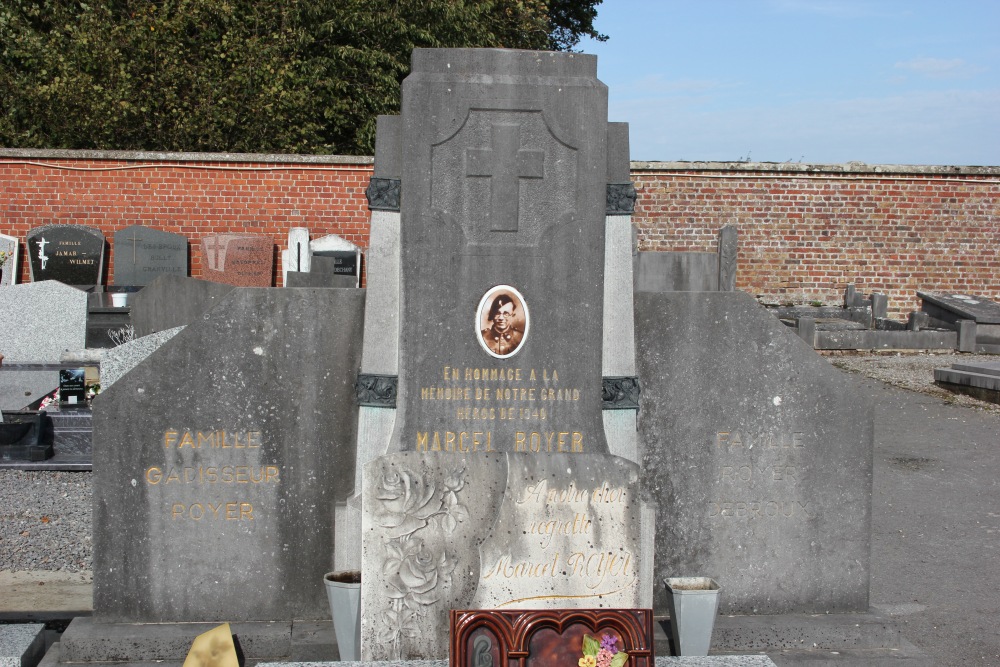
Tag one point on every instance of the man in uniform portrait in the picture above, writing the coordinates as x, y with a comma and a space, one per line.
502, 338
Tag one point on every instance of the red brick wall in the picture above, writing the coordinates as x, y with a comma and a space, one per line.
193, 198
805, 231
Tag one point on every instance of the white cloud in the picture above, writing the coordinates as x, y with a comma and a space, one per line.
938, 68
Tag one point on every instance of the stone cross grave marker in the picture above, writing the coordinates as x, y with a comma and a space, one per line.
243, 260
498, 489
71, 254
142, 254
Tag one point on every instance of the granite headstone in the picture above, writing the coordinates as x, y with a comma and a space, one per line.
71, 254
8, 260
333, 255
142, 254
221, 457
242, 260
759, 454
40, 321
951, 308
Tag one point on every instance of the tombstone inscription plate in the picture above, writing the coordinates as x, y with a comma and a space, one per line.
71, 254
142, 254
243, 260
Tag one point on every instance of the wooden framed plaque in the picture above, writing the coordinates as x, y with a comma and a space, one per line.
548, 637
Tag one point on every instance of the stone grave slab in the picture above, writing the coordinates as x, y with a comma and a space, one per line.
142, 254
21, 388
71, 254
459, 525
980, 380
759, 455
220, 459
174, 301
242, 260
551, 637
41, 320
951, 307
8, 260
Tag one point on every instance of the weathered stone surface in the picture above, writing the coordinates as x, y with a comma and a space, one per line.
142, 254
676, 272
296, 257
19, 389
219, 459
8, 267
504, 184
71, 254
174, 301
243, 260
954, 307
758, 453
499, 530
40, 321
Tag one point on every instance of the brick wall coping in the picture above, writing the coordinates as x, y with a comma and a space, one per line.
854, 168
636, 165
143, 156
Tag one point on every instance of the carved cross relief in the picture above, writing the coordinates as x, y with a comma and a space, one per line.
505, 163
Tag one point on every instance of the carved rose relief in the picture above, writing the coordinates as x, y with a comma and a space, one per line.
418, 575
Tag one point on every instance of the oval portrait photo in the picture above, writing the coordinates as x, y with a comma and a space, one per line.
502, 321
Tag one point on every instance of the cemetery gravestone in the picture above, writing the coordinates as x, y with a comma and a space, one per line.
762, 456
242, 260
221, 456
142, 254
71, 254
41, 321
8, 260
296, 257
501, 491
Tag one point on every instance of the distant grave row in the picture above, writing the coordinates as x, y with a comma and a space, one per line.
75, 255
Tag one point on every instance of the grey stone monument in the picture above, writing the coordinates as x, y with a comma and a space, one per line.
71, 254
41, 321
296, 256
488, 472
758, 453
8, 260
172, 301
220, 458
142, 254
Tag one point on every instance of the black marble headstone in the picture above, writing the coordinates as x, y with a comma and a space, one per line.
142, 254
71, 254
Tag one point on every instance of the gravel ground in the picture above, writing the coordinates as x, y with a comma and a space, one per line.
46, 516
45, 520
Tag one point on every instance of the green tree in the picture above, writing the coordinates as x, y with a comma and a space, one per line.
298, 76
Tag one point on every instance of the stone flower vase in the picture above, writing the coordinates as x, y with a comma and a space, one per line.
343, 590
694, 604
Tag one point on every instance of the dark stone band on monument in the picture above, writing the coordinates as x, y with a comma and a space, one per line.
383, 194
620, 393
377, 391
621, 199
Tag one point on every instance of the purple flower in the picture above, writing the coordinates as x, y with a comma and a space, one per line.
609, 643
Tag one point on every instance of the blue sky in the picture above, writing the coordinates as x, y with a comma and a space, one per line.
817, 81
